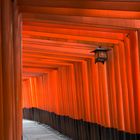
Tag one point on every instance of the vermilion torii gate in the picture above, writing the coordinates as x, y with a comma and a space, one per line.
60, 79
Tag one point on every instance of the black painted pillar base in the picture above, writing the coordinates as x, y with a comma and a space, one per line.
77, 129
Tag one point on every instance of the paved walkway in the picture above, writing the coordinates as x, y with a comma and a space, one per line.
34, 131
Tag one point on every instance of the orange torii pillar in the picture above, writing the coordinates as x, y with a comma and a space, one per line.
10, 71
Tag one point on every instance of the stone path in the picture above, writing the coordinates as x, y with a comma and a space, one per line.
35, 131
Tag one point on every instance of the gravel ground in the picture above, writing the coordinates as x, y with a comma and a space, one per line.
35, 131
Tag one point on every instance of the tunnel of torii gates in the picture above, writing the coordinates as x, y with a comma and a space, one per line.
47, 69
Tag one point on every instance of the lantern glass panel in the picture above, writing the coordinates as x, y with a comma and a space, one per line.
103, 54
96, 54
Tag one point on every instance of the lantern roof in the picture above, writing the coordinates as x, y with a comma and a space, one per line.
100, 49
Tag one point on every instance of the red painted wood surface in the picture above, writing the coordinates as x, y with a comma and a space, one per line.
74, 85
59, 73
10, 71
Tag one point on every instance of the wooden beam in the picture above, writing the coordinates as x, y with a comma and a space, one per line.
33, 62
91, 33
68, 37
58, 54
68, 43
80, 12
28, 65
39, 70
70, 25
28, 55
96, 4
82, 21
49, 60
32, 74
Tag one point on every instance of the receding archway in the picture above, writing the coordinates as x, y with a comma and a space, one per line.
80, 26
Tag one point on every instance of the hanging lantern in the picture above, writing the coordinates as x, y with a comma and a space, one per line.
100, 54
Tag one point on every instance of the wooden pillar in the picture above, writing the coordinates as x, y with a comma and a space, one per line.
17, 72
1, 92
10, 72
139, 45
136, 77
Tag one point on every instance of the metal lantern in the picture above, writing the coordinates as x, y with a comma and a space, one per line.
100, 54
